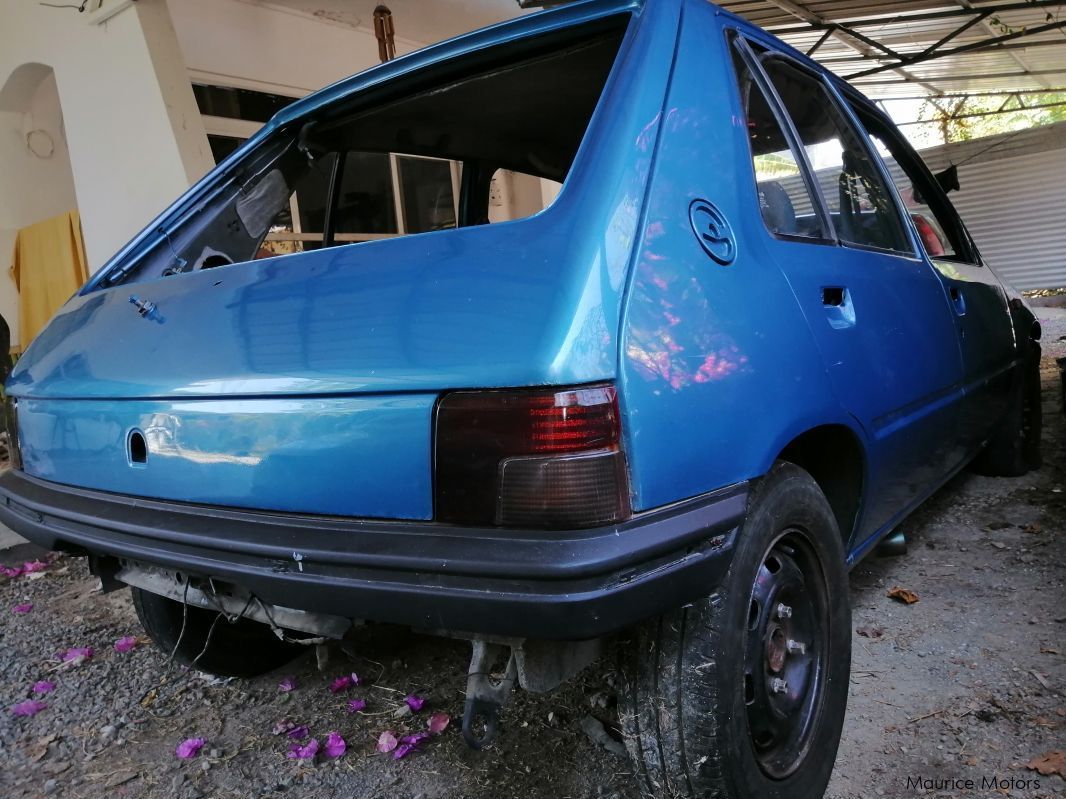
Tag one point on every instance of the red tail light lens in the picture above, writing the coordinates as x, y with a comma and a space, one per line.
531, 458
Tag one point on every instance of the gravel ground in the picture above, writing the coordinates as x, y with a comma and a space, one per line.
965, 684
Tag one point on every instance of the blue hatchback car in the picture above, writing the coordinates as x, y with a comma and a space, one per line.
687, 328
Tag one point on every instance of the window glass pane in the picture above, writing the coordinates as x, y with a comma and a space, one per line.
224, 101
514, 195
428, 199
859, 202
366, 203
222, 146
784, 199
926, 222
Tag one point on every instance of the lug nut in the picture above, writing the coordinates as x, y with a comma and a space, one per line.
778, 686
796, 648
783, 611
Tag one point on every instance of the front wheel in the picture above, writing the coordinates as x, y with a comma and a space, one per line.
743, 694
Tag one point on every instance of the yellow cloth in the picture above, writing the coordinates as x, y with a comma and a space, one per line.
48, 267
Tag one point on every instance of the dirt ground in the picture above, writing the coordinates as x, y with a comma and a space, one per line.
965, 684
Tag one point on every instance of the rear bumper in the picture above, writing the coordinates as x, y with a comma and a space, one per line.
528, 583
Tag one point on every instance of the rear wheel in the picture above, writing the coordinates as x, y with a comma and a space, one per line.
743, 694
1014, 447
244, 648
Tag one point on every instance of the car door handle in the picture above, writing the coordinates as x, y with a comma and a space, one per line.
834, 296
957, 299
836, 300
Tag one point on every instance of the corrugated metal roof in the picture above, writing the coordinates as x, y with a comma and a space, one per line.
1032, 57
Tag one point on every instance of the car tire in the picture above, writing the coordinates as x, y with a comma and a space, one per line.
698, 706
1014, 448
245, 648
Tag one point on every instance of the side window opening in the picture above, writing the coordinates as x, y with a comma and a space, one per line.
784, 198
351, 174
861, 207
938, 226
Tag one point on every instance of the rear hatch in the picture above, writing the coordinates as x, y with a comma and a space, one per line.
196, 367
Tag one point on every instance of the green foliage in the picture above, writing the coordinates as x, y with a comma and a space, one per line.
976, 117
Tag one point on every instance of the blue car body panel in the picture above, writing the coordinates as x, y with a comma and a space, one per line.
307, 382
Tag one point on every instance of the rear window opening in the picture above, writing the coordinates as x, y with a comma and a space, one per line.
492, 141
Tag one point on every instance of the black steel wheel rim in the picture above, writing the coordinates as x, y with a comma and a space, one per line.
786, 645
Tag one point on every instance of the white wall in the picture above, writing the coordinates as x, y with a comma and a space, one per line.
264, 47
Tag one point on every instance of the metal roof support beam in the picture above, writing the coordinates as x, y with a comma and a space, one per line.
928, 16
957, 78
848, 36
843, 60
986, 44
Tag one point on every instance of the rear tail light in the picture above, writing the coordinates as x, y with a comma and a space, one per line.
531, 458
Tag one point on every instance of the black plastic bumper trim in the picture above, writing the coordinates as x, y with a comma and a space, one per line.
532, 583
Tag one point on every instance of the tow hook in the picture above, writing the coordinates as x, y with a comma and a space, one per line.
485, 694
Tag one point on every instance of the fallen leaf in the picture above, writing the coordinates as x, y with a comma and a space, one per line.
869, 631
903, 595
149, 698
598, 734
1032, 528
40, 747
1048, 650
1053, 762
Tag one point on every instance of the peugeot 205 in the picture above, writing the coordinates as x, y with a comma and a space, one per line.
680, 330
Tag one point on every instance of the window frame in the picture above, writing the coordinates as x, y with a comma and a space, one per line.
754, 62
935, 197
739, 41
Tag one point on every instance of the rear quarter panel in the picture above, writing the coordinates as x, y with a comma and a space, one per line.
717, 367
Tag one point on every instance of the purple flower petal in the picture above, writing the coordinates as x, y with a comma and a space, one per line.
438, 722
403, 750
283, 726
189, 748
335, 745
25, 607
415, 739
415, 702
308, 752
387, 741
76, 655
286, 685
11, 571
341, 684
356, 679
34, 566
125, 644
43, 687
31, 707
355, 705
299, 732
